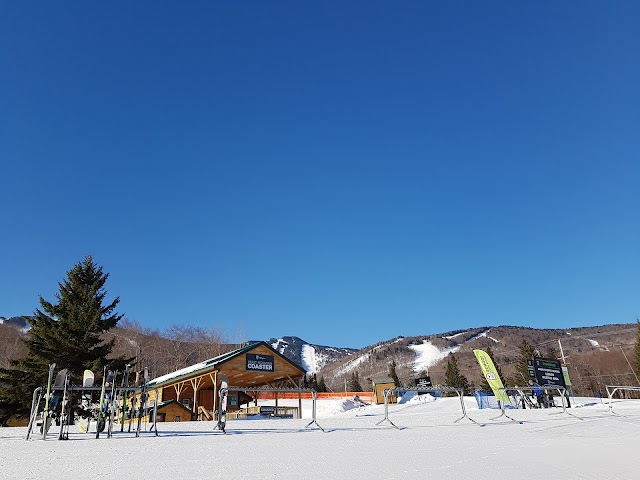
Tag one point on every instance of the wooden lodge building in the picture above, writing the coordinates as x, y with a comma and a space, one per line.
192, 392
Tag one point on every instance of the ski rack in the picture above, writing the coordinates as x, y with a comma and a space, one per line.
38, 393
561, 392
437, 388
612, 389
224, 391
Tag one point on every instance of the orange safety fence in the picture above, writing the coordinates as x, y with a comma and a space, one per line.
364, 396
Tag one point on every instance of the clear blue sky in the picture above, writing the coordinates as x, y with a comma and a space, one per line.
343, 173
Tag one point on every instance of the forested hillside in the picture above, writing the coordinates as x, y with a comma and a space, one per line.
596, 356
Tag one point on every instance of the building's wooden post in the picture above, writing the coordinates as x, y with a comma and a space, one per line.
178, 387
300, 400
195, 390
195, 383
214, 379
276, 402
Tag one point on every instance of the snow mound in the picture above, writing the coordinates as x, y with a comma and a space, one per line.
412, 398
335, 407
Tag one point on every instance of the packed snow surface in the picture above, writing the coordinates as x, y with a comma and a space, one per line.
591, 443
428, 354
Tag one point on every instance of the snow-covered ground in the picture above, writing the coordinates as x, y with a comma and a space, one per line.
596, 445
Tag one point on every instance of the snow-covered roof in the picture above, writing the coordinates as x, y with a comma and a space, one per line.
211, 365
201, 367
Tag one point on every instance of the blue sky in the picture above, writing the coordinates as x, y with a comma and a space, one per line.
343, 173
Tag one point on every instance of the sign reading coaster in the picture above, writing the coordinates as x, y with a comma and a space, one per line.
260, 363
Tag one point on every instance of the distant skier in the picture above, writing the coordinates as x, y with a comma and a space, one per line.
538, 393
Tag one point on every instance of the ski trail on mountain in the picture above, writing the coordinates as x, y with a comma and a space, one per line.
309, 360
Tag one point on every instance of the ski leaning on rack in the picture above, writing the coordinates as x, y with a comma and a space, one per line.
85, 404
52, 407
35, 406
222, 409
143, 399
134, 400
124, 394
46, 401
100, 417
112, 404
65, 411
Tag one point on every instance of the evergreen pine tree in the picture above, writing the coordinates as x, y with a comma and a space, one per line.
484, 385
354, 385
313, 382
551, 351
453, 377
393, 374
322, 387
527, 352
67, 333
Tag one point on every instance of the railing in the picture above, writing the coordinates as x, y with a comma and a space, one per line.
224, 391
389, 392
562, 392
612, 389
204, 414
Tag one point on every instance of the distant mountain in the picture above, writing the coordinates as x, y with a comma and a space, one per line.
311, 357
595, 355
20, 322
12, 331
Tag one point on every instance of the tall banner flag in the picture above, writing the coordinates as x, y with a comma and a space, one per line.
490, 373
565, 374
